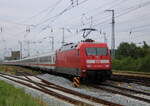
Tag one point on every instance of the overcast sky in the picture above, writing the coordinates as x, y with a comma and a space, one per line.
46, 18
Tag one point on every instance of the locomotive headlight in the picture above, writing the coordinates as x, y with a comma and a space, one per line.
104, 61
83, 70
89, 66
90, 61
106, 65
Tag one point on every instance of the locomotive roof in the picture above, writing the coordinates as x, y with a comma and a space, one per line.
91, 43
71, 46
68, 46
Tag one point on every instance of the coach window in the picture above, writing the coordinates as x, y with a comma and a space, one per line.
53, 59
45, 59
41, 59
50, 59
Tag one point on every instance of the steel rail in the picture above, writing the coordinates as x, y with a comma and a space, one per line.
91, 98
127, 89
122, 93
66, 90
50, 92
138, 80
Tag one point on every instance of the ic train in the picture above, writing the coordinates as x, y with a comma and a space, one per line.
85, 59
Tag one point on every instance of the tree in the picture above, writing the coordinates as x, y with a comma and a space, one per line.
127, 50
145, 46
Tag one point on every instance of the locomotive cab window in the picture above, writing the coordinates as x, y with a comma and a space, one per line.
96, 51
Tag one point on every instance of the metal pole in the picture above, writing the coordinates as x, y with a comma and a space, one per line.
20, 49
1, 30
91, 22
63, 39
113, 33
105, 38
28, 44
52, 42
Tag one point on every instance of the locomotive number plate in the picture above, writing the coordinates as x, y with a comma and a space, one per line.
104, 61
97, 61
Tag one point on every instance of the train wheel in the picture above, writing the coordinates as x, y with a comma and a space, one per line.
76, 81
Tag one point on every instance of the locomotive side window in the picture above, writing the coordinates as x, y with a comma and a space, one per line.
96, 51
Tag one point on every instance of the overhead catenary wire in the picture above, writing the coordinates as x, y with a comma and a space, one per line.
134, 8
42, 11
130, 9
121, 13
58, 15
97, 8
114, 4
136, 28
88, 22
61, 13
15, 23
37, 14
111, 4
49, 9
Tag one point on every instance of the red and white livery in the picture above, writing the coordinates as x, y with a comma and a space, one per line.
85, 59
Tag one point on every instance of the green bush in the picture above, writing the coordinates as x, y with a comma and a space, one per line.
132, 58
130, 64
124, 64
145, 64
116, 64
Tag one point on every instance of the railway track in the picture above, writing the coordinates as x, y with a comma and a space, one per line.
132, 79
128, 90
134, 94
57, 91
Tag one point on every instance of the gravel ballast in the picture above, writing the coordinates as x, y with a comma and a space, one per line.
89, 90
95, 92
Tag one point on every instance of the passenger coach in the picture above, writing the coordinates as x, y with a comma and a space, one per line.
84, 60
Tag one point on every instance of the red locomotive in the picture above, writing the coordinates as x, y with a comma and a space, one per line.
85, 59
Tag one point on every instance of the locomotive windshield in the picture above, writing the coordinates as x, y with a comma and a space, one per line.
96, 51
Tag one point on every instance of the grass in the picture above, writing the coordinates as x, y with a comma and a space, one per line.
134, 73
11, 96
16, 69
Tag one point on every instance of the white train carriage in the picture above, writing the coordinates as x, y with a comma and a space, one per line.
46, 61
